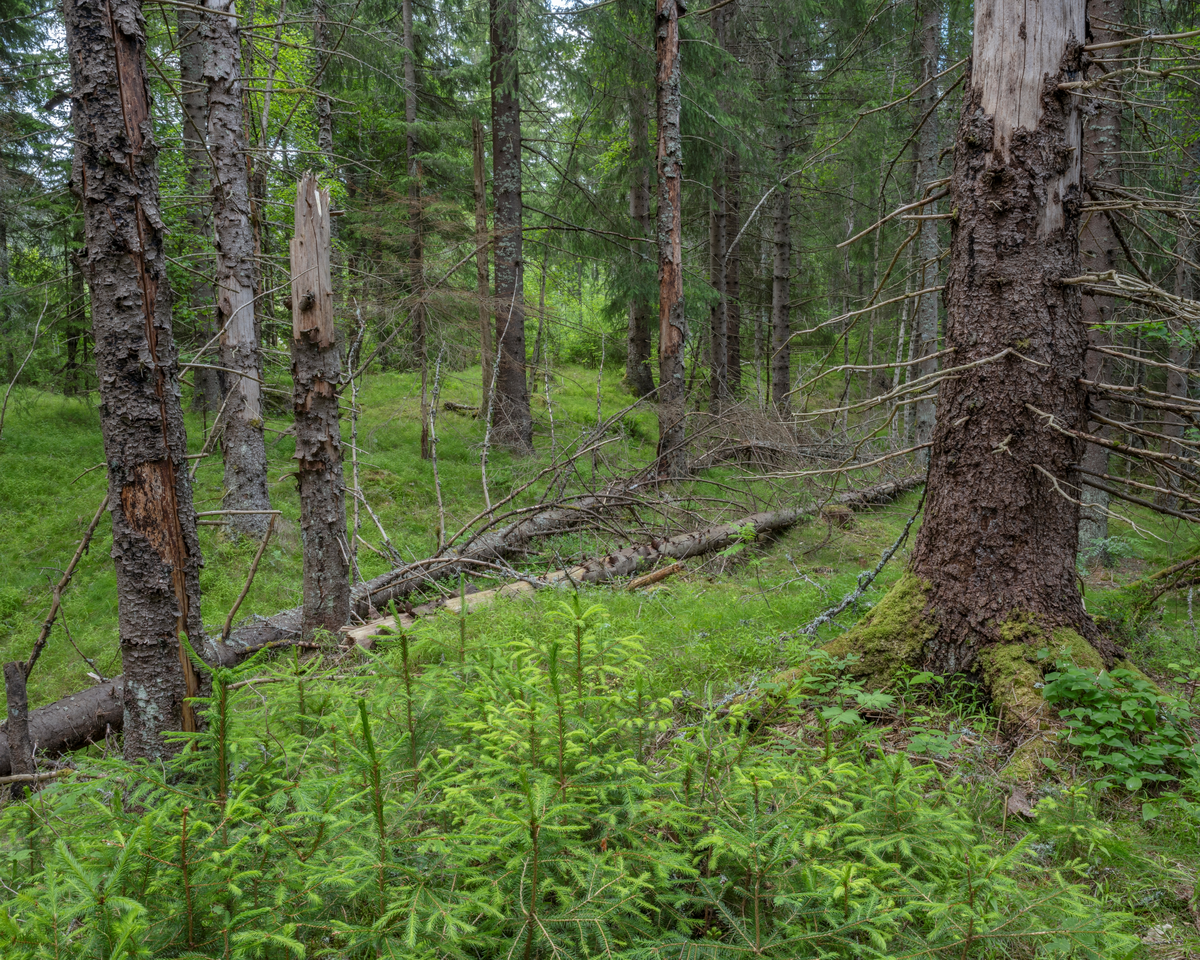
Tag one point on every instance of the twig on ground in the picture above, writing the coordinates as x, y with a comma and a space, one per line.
865, 579
249, 578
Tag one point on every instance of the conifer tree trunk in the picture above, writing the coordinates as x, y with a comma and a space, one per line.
486, 349
998, 543
781, 287
1099, 251
155, 548
718, 318
733, 266
638, 374
316, 368
511, 416
242, 440
324, 109
672, 324
927, 162
194, 94
416, 254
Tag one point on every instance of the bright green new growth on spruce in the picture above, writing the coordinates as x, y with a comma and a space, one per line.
561, 805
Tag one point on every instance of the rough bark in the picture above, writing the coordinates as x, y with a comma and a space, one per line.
324, 109
512, 420
1099, 251
998, 544
638, 375
486, 350
194, 94
671, 458
927, 161
316, 368
84, 718
416, 256
155, 548
242, 441
20, 747
781, 283
733, 266
718, 340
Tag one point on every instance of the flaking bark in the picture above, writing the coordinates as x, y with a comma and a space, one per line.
155, 548
194, 95
242, 441
316, 368
672, 322
998, 542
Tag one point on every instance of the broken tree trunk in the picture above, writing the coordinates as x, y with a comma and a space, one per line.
242, 442
155, 548
20, 747
316, 367
76, 721
997, 548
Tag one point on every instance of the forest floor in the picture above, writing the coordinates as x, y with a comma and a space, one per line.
718, 629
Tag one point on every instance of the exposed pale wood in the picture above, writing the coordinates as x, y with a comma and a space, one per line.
312, 285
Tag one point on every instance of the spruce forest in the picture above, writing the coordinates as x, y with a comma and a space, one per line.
559, 479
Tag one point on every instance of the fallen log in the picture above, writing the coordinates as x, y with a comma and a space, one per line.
626, 562
86, 717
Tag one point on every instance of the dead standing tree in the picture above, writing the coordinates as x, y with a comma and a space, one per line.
316, 368
994, 565
672, 323
242, 442
155, 548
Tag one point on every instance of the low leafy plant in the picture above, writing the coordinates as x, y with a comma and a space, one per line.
1125, 727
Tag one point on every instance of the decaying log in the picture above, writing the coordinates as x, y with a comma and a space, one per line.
85, 717
624, 563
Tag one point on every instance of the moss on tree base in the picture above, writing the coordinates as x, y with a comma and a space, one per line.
892, 635
1012, 672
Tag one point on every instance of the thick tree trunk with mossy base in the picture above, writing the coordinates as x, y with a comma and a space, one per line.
992, 581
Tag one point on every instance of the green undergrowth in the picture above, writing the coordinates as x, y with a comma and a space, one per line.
51, 482
532, 781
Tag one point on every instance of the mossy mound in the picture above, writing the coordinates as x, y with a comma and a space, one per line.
1013, 671
893, 634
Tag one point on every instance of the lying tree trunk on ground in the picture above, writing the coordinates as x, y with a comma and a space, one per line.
83, 718
626, 562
